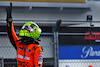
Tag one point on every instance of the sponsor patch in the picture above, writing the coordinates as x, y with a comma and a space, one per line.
20, 48
40, 57
41, 52
27, 50
20, 56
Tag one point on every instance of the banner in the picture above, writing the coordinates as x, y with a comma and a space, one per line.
55, 1
79, 52
92, 36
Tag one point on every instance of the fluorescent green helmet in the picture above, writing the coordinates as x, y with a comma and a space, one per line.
30, 29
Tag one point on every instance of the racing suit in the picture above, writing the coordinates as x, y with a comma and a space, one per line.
30, 55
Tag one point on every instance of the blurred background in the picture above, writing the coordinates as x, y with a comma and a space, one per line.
70, 31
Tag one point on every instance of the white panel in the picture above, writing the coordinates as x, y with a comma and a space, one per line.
45, 43
95, 10
79, 63
7, 52
4, 41
43, 4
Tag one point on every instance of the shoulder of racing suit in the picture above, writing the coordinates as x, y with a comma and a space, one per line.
37, 46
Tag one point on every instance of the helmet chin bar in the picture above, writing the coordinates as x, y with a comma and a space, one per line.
28, 40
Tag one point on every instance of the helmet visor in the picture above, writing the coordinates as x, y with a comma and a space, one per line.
28, 28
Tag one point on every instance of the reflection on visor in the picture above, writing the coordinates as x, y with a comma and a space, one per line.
28, 28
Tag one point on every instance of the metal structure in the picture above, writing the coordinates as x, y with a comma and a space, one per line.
56, 28
55, 25
55, 34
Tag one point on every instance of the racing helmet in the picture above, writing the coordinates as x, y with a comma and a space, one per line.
30, 29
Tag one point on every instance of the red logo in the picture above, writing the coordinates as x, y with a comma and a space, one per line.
92, 36
90, 66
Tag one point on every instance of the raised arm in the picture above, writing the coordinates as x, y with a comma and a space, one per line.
10, 29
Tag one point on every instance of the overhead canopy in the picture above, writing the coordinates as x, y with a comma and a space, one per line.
48, 4
56, 1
